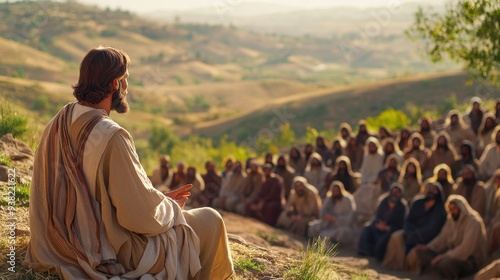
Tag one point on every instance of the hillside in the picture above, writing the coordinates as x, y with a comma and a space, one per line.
196, 77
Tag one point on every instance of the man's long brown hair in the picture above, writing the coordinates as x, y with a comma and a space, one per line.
98, 69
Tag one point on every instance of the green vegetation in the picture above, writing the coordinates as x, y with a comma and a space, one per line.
5, 160
467, 32
391, 118
246, 264
197, 103
22, 195
316, 262
11, 122
271, 238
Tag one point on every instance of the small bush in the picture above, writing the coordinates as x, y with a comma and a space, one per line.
22, 195
316, 263
10, 122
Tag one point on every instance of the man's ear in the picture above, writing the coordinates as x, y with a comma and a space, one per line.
114, 84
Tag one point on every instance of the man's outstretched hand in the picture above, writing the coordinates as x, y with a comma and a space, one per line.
180, 195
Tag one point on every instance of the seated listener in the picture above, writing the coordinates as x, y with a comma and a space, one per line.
162, 176
390, 217
302, 207
472, 189
267, 205
424, 222
94, 214
337, 215
232, 189
460, 248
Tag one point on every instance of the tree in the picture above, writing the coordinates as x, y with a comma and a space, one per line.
467, 32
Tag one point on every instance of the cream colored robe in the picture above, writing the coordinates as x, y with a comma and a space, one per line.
142, 233
490, 161
307, 207
463, 238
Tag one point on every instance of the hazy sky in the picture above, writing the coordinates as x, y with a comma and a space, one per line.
155, 5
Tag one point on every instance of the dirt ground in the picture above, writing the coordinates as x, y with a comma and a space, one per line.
259, 234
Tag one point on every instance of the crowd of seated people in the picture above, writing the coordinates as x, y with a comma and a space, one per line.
424, 200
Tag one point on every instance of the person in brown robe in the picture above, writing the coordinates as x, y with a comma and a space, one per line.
195, 179
442, 152
283, 170
442, 174
268, 203
297, 161
402, 140
485, 131
427, 132
458, 130
411, 179
252, 187
302, 207
162, 176
417, 150
179, 178
355, 152
343, 172
213, 184
232, 190
345, 131
94, 214
472, 189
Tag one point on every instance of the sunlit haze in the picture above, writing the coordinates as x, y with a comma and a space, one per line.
155, 5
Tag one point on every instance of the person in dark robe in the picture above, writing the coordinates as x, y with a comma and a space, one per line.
297, 161
343, 173
390, 217
283, 170
424, 222
213, 184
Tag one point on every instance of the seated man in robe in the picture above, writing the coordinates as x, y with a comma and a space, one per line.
269, 201
460, 248
390, 217
94, 214
337, 215
302, 207
425, 220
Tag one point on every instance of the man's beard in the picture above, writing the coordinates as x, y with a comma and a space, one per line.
469, 182
455, 217
119, 101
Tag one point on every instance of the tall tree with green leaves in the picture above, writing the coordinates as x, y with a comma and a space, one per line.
468, 32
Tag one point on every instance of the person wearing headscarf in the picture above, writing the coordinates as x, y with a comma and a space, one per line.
442, 175
316, 173
390, 217
484, 135
195, 179
345, 131
363, 133
427, 132
417, 150
252, 186
492, 220
322, 149
389, 174
343, 172
460, 249
458, 130
470, 187
336, 151
467, 156
373, 161
390, 148
476, 114
411, 179
337, 215
490, 160
402, 140
297, 161
442, 152
162, 176
303, 206
355, 152
233, 187
286, 172
268, 203
213, 184
424, 222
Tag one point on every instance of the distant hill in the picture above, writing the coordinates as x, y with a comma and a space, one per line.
184, 75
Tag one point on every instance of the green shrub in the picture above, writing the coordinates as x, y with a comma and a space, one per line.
10, 122
5, 160
316, 262
248, 264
